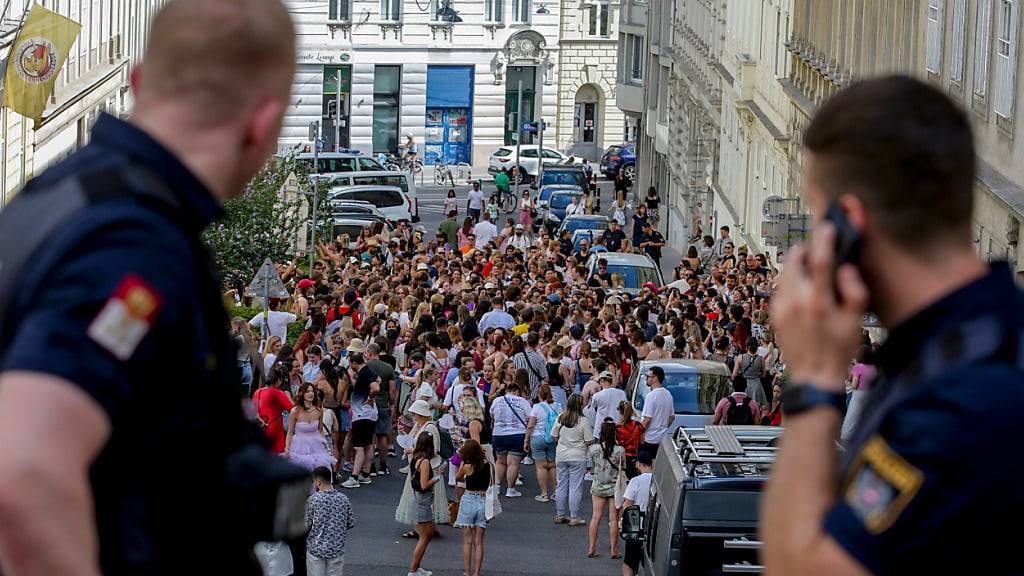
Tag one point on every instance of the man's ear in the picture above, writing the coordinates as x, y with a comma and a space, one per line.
855, 210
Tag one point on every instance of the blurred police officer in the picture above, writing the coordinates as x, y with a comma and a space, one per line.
928, 480
118, 392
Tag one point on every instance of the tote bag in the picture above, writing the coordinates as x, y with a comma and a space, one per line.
492, 505
620, 485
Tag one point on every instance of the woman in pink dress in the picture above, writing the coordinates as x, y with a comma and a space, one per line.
306, 444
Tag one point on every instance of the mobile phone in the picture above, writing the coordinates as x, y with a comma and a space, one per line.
848, 239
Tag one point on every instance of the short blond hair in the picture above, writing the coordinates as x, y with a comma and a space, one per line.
219, 55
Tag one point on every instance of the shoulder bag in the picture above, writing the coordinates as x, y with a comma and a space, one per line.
620, 484
492, 503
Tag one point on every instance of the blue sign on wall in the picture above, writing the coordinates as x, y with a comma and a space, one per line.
449, 115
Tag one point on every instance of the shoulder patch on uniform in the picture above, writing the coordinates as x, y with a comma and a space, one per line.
126, 318
880, 484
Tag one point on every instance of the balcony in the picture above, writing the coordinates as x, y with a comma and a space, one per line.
815, 76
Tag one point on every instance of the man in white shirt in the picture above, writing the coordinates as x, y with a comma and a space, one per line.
575, 207
520, 241
605, 403
484, 231
276, 320
658, 414
637, 493
476, 201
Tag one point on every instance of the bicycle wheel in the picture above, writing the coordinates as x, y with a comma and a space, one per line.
417, 166
392, 167
440, 175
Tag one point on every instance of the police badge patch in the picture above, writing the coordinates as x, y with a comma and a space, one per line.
880, 485
126, 318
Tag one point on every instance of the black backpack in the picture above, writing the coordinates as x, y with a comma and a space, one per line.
415, 478
739, 412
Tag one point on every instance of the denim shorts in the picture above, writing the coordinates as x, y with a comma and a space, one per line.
471, 511
512, 444
542, 450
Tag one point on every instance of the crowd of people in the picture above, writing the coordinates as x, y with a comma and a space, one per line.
473, 359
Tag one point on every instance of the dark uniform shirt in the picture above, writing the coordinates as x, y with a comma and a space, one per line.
171, 392
931, 484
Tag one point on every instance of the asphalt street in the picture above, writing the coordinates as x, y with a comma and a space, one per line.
522, 540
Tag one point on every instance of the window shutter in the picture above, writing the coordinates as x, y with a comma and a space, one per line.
982, 47
956, 67
935, 22
1006, 63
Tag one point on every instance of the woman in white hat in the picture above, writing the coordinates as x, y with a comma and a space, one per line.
422, 417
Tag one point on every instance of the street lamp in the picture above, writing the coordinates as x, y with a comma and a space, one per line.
542, 9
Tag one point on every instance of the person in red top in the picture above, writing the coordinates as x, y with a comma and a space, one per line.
628, 435
350, 307
270, 402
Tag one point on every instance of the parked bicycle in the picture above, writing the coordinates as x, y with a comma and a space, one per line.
398, 163
450, 172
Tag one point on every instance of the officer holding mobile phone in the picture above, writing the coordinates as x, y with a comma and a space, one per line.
890, 174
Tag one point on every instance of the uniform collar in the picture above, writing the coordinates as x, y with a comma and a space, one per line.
987, 293
200, 207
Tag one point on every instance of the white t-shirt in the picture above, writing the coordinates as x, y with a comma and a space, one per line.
511, 413
485, 232
540, 413
476, 199
278, 322
426, 392
659, 406
605, 404
638, 491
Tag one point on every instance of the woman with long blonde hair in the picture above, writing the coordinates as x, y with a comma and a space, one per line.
270, 352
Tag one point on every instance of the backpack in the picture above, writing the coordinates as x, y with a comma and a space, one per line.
549, 423
739, 412
445, 444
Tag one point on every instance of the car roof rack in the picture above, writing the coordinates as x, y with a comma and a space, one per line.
728, 444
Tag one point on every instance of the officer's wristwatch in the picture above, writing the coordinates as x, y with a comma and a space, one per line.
801, 397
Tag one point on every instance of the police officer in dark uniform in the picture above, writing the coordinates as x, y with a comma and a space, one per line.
930, 481
124, 446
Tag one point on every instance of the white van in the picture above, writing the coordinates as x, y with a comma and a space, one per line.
401, 180
391, 201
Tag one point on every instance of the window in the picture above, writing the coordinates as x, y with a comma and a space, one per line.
386, 93
599, 18
494, 11
933, 60
1006, 56
379, 198
442, 11
956, 66
636, 52
391, 10
339, 10
529, 153
982, 46
521, 11
551, 154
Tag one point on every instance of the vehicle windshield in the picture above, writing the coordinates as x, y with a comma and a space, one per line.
692, 392
567, 177
635, 276
586, 224
352, 230
561, 200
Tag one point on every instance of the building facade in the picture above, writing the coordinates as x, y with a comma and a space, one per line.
588, 118
93, 80
373, 71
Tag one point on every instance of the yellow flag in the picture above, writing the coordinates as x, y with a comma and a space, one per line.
36, 56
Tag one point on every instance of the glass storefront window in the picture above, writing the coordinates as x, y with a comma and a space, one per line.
387, 81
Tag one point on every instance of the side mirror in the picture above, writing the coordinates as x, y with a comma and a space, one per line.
632, 527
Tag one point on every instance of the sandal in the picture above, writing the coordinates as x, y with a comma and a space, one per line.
411, 534
615, 556
593, 555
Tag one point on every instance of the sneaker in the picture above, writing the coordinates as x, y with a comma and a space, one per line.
561, 520
404, 469
365, 479
373, 470
347, 466
527, 461
384, 471
391, 452
519, 480
350, 483
542, 498
513, 493
577, 522
422, 572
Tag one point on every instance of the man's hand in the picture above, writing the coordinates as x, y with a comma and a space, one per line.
819, 334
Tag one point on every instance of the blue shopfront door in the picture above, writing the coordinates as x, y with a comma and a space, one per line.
449, 121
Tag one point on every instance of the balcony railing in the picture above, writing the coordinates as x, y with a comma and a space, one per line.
814, 73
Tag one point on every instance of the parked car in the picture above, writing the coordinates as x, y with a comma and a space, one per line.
554, 212
505, 157
394, 204
609, 152
597, 222
564, 175
356, 208
636, 269
353, 226
344, 160
625, 158
403, 180
696, 387
591, 236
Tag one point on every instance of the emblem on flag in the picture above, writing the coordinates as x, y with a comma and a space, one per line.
36, 56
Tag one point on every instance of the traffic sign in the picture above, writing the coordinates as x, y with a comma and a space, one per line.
266, 282
532, 126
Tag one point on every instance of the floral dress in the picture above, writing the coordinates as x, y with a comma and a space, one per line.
605, 471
